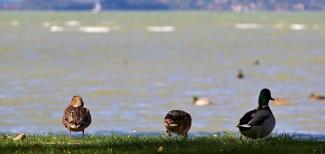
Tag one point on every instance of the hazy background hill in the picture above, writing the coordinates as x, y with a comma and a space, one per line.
233, 5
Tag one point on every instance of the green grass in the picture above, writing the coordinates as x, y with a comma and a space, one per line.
227, 143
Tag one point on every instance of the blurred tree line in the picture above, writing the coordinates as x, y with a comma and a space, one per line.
233, 5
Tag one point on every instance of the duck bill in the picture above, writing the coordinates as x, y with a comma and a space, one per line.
170, 123
173, 125
272, 99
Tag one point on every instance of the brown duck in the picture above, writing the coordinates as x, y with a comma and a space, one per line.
316, 97
280, 101
76, 117
178, 121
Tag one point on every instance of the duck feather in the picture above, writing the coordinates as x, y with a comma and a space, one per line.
255, 117
76, 118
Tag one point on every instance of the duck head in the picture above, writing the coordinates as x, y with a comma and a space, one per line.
173, 118
264, 97
194, 99
312, 95
170, 121
77, 101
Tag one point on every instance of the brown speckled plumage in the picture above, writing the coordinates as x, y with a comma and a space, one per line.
178, 121
76, 117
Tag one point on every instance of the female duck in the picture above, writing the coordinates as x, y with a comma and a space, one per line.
280, 101
259, 122
76, 117
178, 121
316, 97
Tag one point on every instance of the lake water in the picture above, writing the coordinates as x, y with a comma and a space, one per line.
131, 68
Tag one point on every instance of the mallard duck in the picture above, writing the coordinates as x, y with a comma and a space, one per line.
316, 97
240, 74
178, 121
201, 101
259, 122
280, 101
76, 117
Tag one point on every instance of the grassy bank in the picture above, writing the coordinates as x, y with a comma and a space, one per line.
227, 143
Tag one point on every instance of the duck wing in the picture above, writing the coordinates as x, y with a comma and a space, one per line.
67, 116
259, 117
253, 118
247, 117
85, 118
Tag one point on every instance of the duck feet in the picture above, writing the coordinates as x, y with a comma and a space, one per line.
184, 136
168, 133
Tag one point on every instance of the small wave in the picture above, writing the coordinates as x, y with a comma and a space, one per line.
46, 24
72, 23
94, 29
298, 27
56, 29
158, 29
247, 26
14, 23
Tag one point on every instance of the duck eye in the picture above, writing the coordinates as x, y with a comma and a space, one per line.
168, 116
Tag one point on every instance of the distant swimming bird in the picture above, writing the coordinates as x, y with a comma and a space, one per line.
178, 121
240, 74
201, 101
257, 62
76, 117
316, 97
280, 101
259, 122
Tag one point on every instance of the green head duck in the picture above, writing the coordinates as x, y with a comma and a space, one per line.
194, 99
264, 97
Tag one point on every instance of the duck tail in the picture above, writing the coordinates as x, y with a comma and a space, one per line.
244, 127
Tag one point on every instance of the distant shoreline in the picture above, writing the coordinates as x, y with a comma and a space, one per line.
235, 6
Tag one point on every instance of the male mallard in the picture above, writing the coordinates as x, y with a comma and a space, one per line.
76, 118
259, 122
178, 121
201, 101
316, 97
280, 101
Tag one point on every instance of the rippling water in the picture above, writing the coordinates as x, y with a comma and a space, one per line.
130, 77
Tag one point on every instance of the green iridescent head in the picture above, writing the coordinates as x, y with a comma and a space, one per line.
194, 99
264, 97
